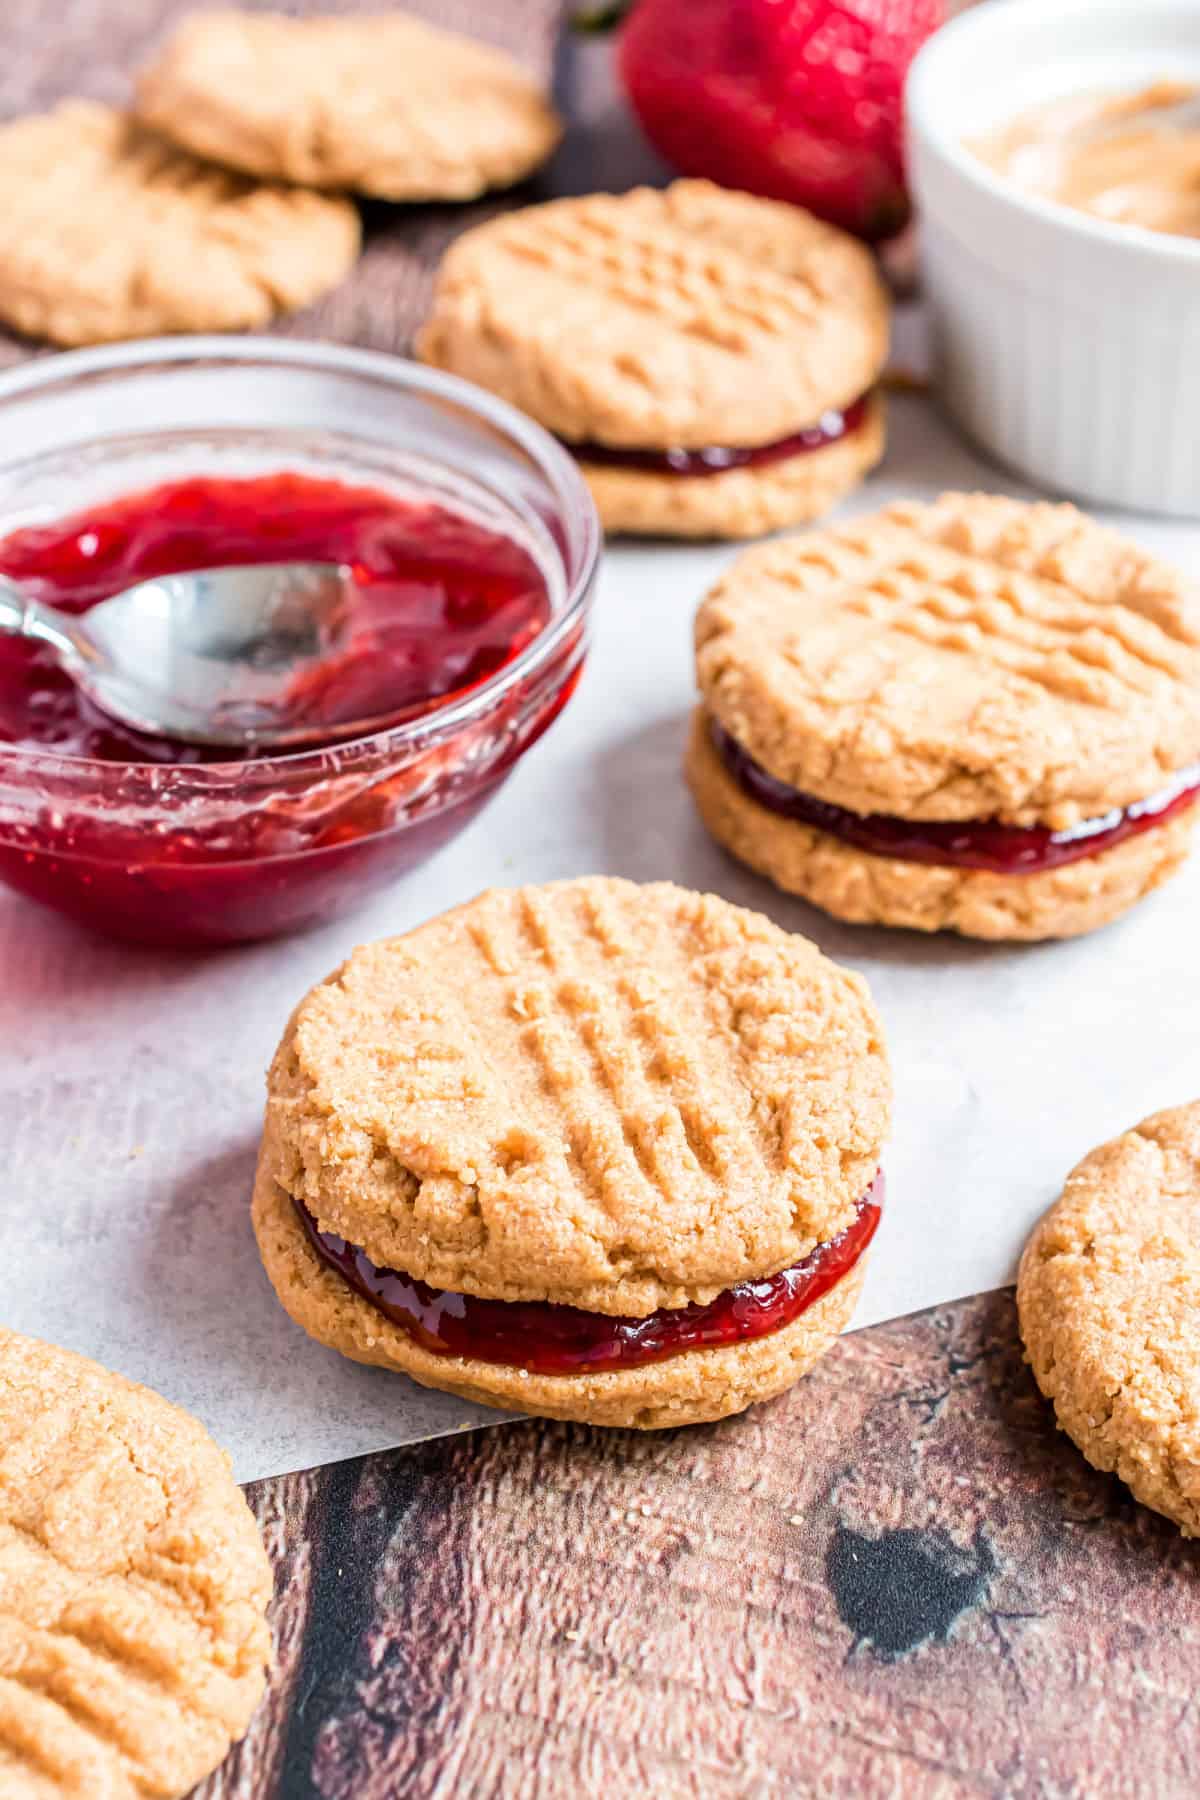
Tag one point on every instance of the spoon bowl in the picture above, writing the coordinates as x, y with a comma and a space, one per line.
227, 657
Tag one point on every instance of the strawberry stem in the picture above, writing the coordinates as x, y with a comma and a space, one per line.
594, 19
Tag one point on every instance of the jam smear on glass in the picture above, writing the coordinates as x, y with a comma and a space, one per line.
174, 844
716, 459
565, 1340
957, 843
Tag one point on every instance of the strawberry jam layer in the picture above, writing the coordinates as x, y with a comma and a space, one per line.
717, 459
440, 601
565, 1340
955, 843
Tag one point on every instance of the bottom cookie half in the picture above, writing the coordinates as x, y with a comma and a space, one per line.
878, 890
740, 503
687, 1389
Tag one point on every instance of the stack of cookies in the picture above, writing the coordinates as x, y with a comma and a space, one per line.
974, 714
593, 1150
712, 359
218, 201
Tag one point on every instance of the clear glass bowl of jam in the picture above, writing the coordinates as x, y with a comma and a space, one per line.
474, 543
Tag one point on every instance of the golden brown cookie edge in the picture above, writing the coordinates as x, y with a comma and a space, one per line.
740, 503
863, 889
695, 1387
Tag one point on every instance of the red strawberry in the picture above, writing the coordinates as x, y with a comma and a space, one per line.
796, 99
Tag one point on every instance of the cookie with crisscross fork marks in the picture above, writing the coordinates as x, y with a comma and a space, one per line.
973, 661
107, 231
604, 1096
133, 1586
691, 319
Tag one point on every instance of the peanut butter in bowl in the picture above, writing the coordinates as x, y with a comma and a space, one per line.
1133, 158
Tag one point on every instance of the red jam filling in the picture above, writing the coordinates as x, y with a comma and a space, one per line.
441, 601
144, 842
716, 459
565, 1340
964, 844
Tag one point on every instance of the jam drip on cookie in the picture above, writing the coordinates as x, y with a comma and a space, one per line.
957, 843
717, 459
565, 1340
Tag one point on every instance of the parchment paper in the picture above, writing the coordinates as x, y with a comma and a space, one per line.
130, 1081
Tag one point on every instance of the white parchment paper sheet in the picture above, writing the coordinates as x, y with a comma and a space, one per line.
130, 1082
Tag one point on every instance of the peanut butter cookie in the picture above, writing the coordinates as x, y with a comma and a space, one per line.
709, 357
974, 714
107, 231
133, 1586
1109, 1302
595, 1150
382, 104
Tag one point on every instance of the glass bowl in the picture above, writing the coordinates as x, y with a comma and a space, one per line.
222, 853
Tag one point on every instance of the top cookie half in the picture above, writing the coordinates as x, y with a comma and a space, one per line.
382, 104
688, 317
975, 657
605, 1095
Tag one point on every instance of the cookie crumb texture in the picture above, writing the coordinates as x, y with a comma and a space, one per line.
384, 105
708, 317
1109, 1300
107, 232
133, 1587
852, 884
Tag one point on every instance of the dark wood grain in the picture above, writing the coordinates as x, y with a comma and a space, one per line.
897, 1579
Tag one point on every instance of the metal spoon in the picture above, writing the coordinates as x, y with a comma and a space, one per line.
215, 656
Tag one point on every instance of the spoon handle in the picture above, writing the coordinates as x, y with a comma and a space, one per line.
22, 616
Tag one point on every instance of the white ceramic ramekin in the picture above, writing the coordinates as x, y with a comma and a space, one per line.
1066, 347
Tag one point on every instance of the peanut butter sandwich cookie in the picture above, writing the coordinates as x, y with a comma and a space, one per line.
133, 1587
591, 1150
710, 358
1109, 1300
973, 715
383, 104
107, 231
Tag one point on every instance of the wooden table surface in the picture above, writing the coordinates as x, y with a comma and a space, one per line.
896, 1580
